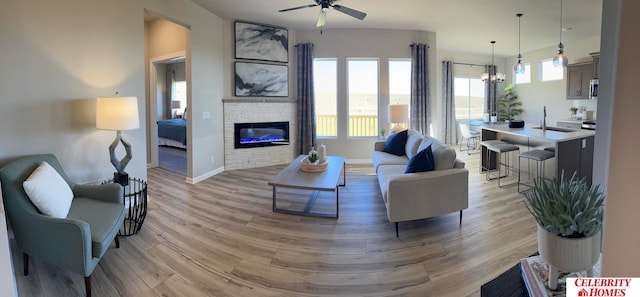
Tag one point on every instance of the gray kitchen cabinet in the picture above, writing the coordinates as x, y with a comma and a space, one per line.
577, 157
578, 77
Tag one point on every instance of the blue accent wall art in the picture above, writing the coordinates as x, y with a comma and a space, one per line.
261, 42
261, 80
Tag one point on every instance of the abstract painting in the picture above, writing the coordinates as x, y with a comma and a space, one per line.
261, 42
261, 80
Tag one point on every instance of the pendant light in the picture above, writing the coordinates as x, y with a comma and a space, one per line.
519, 67
494, 78
560, 60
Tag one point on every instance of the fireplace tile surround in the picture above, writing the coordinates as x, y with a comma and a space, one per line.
255, 111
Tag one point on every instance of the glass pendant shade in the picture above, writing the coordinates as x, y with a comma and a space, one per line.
560, 60
519, 67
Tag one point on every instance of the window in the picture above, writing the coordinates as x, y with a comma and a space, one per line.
469, 96
325, 77
549, 72
179, 92
523, 78
362, 83
400, 82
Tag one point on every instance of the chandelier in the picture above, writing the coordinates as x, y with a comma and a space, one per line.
496, 77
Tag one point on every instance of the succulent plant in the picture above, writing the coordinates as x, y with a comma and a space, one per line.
569, 208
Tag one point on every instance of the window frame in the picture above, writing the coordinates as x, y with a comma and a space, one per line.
541, 69
337, 111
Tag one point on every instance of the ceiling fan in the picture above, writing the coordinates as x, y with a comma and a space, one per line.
325, 4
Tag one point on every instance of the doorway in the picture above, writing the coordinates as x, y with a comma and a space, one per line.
168, 94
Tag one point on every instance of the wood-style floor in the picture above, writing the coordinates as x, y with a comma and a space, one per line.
220, 238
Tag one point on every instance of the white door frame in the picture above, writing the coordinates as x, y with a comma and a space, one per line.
153, 106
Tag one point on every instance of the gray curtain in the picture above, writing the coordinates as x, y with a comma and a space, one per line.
450, 126
306, 100
420, 100
166, 107
491, 89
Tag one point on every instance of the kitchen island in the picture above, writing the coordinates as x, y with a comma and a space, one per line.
573, 148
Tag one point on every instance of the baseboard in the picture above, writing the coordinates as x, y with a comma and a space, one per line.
202, 177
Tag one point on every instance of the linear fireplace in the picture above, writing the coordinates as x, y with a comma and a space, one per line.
248, 135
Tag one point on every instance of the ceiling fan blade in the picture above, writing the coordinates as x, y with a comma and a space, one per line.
298, 7
350, 11
321, 18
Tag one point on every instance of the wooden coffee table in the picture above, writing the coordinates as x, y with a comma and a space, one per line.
294, 178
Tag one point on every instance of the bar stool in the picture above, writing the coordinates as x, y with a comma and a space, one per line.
536, 155
486, 143
501, 149
472, 138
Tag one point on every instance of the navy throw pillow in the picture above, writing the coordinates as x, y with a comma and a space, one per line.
395, 143
421, 162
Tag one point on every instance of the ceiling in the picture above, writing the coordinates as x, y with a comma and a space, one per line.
461, 25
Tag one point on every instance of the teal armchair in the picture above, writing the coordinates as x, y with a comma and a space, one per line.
76, 242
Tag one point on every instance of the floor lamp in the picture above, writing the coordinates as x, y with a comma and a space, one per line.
398, 114
118, 114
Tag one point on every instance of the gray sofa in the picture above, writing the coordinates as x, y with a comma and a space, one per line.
412, 196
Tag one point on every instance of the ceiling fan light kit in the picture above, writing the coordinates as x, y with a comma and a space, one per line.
324, 8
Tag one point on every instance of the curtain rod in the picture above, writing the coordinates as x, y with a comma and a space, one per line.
468, 64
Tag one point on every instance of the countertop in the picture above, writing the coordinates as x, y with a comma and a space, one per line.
530, 131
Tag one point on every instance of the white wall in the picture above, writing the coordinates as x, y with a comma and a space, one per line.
7, 281
619, 106
551, 94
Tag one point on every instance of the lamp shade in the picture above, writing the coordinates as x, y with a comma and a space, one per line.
399, 113
117, 113
175, 104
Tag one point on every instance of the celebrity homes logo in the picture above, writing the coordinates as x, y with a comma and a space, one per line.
603, 286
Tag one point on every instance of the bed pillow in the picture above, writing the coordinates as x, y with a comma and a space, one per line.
395, 143
421, 162
184, 114
48, 191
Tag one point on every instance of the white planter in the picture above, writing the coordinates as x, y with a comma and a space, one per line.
568, 254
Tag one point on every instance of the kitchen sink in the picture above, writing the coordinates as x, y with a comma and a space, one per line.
557, 129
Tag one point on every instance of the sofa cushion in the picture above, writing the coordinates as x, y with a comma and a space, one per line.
395, 144
421, 162
48, 191
413, 142
382, 158
444, 156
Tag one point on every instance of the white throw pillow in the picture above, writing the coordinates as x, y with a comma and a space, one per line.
48, 191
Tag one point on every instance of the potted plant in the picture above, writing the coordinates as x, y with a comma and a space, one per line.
509, 106
573, 110
569, 217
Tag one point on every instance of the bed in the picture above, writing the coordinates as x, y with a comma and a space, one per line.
172, 132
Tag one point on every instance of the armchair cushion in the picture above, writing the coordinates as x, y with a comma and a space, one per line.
104, 219
48, 191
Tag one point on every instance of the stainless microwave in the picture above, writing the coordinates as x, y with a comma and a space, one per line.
593, 89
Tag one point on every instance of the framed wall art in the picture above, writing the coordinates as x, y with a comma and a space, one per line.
261, 42
261, 80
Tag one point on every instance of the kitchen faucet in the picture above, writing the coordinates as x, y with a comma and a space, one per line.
544, 119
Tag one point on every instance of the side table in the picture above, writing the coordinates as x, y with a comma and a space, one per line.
135, 203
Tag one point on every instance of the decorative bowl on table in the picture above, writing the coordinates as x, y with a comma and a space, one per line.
307, 166
516, 124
